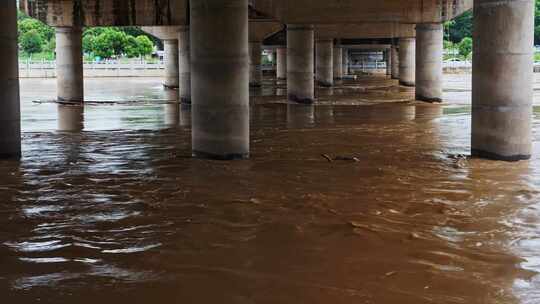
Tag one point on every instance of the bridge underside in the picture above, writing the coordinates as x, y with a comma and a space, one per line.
215, 46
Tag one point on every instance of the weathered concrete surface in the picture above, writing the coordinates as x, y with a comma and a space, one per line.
171, 63
69, 64
255, 69
220, 95
10, 114
281, 71
106, 13
395, 62
324, 62
364, 30
260, 29
162, 32
388, 59
174, 12
407, 59
345, 52
338, 64
354, 11
184, 65
367, 47
429, 57
300, 63
502, 91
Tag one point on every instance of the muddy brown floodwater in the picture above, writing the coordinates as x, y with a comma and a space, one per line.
362, 198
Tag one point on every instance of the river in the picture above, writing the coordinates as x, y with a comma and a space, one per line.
363, 198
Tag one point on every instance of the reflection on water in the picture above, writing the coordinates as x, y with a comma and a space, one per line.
341, 203
70, 117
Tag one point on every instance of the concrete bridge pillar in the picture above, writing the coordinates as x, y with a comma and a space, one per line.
502, 79
10, 116
388, 58
395, 62
407, 55
281, 71
429, 57
300, 63
184, 66
345, 61
171, 63
69, 64
338, 64
324, 63
255, 69
220, 79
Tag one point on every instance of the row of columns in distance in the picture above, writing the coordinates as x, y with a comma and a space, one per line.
419, 62
219, 75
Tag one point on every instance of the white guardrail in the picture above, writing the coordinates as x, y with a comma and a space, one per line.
105, 68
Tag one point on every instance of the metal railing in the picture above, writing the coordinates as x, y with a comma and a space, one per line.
105, 68
104, 64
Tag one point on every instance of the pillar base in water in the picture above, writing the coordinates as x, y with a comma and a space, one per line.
232, 156
297, 99
495, 156
325, 84
169, 87
186, 101
255, 85
429, 99
406, 83
10, 155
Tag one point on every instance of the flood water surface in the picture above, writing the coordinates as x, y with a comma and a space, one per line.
362, 198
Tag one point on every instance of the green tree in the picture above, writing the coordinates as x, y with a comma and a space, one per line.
461, 27
28, 24
132, 47
465, 47
109, 43
145, 45
537, 22
31, 42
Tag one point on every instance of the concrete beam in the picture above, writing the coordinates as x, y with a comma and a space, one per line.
174, 12
163, 32
67, 13
259, 30
364, 30
354, 11
367, 47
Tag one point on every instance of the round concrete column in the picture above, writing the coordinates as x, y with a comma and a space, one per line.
171, 63
388, 59
502, 79
70, 117
220, 79
407, 55
338, 64
69, 64
255, 69
10, 116
395, 62
300, 63
184, 66
429, 57
325, 63
281, 72
345, 62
